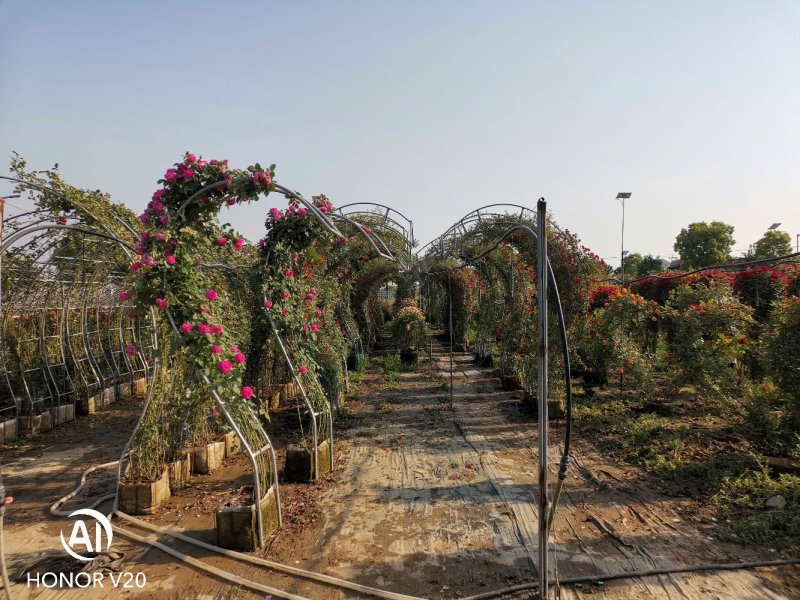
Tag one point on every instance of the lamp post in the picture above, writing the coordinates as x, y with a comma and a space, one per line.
622, 196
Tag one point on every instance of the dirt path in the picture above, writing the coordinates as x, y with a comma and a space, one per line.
441, 501
430, 498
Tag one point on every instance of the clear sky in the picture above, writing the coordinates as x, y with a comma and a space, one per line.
435, 108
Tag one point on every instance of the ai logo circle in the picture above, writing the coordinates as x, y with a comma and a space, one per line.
80, 538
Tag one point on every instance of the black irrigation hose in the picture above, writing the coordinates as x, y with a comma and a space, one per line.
632, 574
724, 267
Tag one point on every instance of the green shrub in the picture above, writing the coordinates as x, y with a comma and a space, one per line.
621, 339
781, 345
708, 336
409, 330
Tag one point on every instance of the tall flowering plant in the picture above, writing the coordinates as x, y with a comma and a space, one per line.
179, 241
302, 293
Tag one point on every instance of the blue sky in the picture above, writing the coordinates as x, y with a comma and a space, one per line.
435, 108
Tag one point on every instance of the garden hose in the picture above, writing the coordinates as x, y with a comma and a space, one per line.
634, 574
322, 578
296, 571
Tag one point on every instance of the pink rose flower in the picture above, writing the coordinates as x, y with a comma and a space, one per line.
224, 366
216, 349
203, 308
171, 260
319, 312
230, 201
144, 218
239, 358
163, 219
124, 295
216, 329
303, 369
309, 296
215, 413
212, 295
267, 304
288, 273
130, 350
190, 158
234, 348
158, 194
160, 235
221, 241
187, 328
136, 266
247, 392
162, 303
314, 327
238, 243
203, 328
286, 295
284, 312
302, 211
157, 205
171, 175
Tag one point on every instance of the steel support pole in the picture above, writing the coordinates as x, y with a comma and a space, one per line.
622, 246
541, 286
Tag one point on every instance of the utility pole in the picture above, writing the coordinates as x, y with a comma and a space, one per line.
622, 196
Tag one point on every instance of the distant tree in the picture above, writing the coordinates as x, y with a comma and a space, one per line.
773, 243
703, 244
649, 265
632, 262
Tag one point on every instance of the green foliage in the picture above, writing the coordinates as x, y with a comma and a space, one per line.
621, 338
782, 348
773, 244
409, 330
650, 265
703, 244
771, 422
633, 261
708, 336
742, 502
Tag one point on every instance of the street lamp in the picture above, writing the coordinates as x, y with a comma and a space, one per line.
622, 196
773, 227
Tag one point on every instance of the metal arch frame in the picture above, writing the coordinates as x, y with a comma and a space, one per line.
326, 410
328, 224
479, 214
545, 279
49, 190
388, 222
270, 467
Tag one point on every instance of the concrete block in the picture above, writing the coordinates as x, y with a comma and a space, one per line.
144, 498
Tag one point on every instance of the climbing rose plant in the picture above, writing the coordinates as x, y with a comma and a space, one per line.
180, 232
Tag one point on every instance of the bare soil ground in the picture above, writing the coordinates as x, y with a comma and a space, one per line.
429, 497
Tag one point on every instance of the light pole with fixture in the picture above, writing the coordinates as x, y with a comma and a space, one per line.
622, 196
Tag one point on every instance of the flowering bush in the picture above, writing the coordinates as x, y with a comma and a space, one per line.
760, 287
621, 336
409, 330
708, 336
179, 234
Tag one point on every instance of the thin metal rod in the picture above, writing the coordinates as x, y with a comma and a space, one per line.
541, 284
